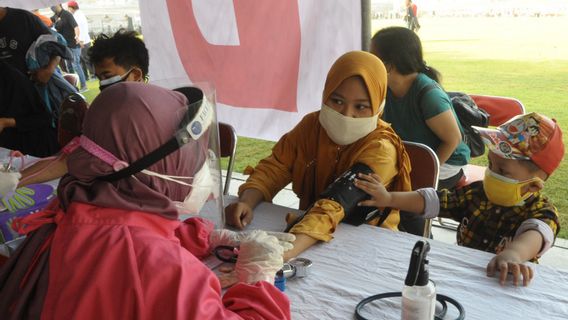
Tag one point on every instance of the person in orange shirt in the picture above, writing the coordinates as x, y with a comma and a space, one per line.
326, 144
43, 18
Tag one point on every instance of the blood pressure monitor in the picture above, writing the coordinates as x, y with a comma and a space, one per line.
297, 268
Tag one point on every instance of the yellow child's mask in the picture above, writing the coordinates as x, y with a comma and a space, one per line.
505, 191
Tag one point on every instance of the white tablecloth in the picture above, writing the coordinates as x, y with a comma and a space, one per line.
7, 248
365, 260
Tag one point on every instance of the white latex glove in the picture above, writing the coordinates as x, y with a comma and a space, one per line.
227, 237
8, 182
260, 257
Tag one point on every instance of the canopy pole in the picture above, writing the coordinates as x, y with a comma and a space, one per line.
365, 24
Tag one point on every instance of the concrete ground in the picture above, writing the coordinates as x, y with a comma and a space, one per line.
556, 257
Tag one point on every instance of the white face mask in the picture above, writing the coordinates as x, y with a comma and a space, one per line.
345, 130
103, 84
202, 187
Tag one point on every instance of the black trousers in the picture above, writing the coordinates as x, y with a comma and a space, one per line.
86, 64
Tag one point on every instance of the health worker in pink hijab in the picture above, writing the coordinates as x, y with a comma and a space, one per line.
113, 247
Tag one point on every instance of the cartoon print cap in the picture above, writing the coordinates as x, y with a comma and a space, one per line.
530, 136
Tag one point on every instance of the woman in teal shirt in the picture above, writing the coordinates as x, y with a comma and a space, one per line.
418, 114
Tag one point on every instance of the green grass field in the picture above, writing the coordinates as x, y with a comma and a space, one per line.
525, 58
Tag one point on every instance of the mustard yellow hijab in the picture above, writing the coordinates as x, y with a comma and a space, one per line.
362, 64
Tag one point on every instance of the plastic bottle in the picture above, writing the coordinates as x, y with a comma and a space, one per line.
280, 281
419, 293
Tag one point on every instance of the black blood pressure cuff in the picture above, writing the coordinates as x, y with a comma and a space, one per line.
344, 192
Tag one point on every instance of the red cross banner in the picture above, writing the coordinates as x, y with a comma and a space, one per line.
267, 60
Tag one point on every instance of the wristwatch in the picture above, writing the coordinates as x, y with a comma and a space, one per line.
301, 267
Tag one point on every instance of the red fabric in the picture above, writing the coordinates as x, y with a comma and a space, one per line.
193, 234
551, 155
117, 264
414, 10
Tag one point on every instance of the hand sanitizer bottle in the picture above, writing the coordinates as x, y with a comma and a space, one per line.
419, 293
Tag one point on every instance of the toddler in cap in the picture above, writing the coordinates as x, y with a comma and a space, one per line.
505, 213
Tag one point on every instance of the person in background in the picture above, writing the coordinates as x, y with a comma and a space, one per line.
25, 124
326, 144
48, 23
506, 213
23, 114
432, 120
428, 117
84, 38
18, 30
122, 57
66, 25
411, 16
116, 249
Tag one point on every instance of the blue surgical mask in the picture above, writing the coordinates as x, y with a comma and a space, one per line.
103, 84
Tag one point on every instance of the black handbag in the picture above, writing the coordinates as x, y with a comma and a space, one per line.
468, 114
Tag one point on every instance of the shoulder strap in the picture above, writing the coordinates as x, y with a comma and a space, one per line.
429, 87
144, 162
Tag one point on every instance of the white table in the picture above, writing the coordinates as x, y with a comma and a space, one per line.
365, 260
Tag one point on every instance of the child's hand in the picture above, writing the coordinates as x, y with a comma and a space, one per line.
509, 260
373, 185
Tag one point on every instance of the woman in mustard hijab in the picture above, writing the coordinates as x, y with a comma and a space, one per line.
325, 144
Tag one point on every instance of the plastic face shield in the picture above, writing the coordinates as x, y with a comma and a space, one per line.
205, 112
198, 130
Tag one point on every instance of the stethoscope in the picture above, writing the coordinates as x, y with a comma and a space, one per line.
442, 299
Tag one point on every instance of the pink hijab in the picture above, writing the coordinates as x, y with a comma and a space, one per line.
130, 120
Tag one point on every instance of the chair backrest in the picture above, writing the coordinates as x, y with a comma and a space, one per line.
425, 171
72, 112
500, 109
228, 146
425, 165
